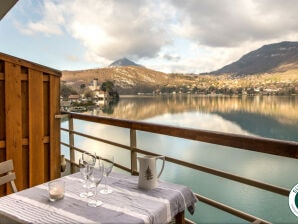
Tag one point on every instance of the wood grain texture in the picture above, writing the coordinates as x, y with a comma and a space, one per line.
36, 124
54, 126
13, 118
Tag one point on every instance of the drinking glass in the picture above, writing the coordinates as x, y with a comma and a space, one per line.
86, 164
108, 162
96, 178
56, 190
89, 158
85, 171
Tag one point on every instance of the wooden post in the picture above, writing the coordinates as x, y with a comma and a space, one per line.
179, 218
71, 143
133, 154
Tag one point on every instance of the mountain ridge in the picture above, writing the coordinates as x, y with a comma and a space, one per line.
281, 73
276, 57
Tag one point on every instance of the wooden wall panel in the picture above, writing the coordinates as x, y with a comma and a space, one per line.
1, 66
46, 159
46, 121
54, 127
46, 111
25, 109
2, 157
26, 173
2, 110
13, 115
36, 123
29, 132
2, 121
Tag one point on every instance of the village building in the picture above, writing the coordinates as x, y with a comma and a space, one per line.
99, 96
74, 98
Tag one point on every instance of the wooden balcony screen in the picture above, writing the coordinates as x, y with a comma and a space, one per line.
29, 132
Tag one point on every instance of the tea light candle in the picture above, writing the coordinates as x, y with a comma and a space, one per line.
56, 191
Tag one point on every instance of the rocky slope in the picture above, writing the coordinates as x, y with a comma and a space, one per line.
270, 58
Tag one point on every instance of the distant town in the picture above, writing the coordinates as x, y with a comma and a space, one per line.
90, 97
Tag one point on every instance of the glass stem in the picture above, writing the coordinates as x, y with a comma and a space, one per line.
86, 188
106, 182
95, 192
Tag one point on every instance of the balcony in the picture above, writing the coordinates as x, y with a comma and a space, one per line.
30, 135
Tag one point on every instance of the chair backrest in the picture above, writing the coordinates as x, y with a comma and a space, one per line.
7, 174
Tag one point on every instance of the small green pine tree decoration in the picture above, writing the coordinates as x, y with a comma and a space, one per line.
148, 174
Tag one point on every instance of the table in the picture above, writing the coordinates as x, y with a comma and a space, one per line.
126, 204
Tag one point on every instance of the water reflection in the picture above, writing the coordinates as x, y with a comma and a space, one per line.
267, 116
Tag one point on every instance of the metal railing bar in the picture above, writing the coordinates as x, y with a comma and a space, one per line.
98, 139
64, 129
188, 221
115, 164
82, 151
75, 148
102, 140
264, 186
230, 210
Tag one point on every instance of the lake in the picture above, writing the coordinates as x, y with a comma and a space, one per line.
266, 116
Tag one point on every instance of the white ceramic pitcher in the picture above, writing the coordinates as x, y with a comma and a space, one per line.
148, 176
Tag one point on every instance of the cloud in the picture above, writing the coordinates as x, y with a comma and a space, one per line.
171, 57
50, 23
219, 32
109, 29
230, 23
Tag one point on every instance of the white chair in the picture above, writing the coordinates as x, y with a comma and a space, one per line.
7, 174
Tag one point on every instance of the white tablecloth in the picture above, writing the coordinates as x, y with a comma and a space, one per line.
126, 204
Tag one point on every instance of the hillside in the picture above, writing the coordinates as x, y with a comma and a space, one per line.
270, 58
127, 79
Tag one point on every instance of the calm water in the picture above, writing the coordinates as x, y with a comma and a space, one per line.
272, 117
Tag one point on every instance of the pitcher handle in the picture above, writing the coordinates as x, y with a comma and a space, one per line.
163, 158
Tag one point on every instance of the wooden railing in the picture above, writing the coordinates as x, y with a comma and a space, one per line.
269, 146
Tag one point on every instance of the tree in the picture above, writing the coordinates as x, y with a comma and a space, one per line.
83, 86
65, 91
107, 86
148, 174
89, 94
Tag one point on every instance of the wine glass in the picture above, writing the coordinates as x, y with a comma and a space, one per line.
96, 178
86, 164
85, 171
89, 158
108, 162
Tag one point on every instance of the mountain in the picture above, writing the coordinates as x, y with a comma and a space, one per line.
123, 62
278, 64
278, 57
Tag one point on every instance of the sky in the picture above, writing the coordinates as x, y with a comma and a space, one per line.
172, 36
